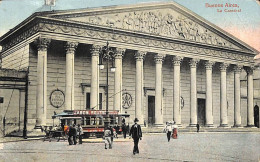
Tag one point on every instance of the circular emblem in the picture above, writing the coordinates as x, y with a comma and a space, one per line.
57, 98
127, 100
182, 102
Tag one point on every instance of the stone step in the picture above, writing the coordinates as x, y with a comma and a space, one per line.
202, 129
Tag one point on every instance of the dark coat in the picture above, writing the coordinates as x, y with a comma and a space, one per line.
135, 131
72, 131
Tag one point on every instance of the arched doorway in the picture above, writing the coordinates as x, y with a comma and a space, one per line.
256, 116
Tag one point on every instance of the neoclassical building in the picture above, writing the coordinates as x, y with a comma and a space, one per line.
170, 64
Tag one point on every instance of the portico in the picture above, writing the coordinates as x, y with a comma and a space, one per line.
171, 57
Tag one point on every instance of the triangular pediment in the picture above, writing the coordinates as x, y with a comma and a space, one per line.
168, 20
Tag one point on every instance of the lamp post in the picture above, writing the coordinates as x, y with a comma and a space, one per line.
107, 53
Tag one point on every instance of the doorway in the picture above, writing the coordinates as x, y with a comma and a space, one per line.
151, 110
256, 116
201, 111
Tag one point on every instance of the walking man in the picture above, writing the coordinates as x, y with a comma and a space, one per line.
198, 127
124, 129
72, 134
136, 134
80, 133
168, 130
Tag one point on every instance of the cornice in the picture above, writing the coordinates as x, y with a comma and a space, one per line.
65, 27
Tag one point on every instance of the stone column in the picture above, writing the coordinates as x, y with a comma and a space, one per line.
139, 55
94, 90
41, 100
250, 97
118, 79
237, 102
223, 95
158, 91
193, 92
69, 93
176, 90
209, 98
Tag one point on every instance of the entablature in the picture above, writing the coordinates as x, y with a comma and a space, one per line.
86, 33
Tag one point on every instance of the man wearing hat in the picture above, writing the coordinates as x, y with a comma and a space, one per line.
136, 134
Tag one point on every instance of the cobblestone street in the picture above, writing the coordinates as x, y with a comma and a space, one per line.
153, 147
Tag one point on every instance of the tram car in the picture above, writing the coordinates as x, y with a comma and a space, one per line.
92, 121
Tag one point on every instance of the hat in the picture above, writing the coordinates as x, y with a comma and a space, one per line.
136, 120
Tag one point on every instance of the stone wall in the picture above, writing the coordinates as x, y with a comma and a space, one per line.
17, 60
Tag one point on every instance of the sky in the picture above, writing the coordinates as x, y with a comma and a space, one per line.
245, 25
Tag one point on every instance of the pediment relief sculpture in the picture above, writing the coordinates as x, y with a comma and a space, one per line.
159, 22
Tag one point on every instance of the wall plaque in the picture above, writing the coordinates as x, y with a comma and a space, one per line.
126, 100
57, 98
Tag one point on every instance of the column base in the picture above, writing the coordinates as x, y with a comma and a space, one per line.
159, 125
209, 125
237, 126
193, 125
251, 126
223, 126
179, 125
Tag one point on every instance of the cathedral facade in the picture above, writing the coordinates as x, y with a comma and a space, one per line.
169, 64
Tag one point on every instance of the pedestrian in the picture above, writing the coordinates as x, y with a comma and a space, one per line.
116, 127
107, 136
198, 127
69, 130
72, 134
175, 130
168, 130
80, 133
128, 128
136, 134
112, 133
124, 129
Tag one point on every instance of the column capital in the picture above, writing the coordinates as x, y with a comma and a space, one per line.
238, 68
223, 66
176, 60
95, 50
139, 55
209, 64
193, 62
119, 53
249, 69
71, 47
159, 58
42, 43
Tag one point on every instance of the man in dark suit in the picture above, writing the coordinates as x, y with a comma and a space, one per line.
136, 134
72, 134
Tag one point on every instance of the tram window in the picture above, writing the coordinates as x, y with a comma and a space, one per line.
112, 120
87, 120
100, 121
93, 121
82, 121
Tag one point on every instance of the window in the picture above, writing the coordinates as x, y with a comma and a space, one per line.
87, 100
100, 101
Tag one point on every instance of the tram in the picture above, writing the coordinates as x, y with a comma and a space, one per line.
92, 121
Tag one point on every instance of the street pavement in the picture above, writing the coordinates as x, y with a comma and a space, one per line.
220, 146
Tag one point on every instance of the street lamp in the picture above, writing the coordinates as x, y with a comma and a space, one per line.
107, 53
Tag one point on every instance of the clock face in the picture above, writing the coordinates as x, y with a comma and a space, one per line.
126, 100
